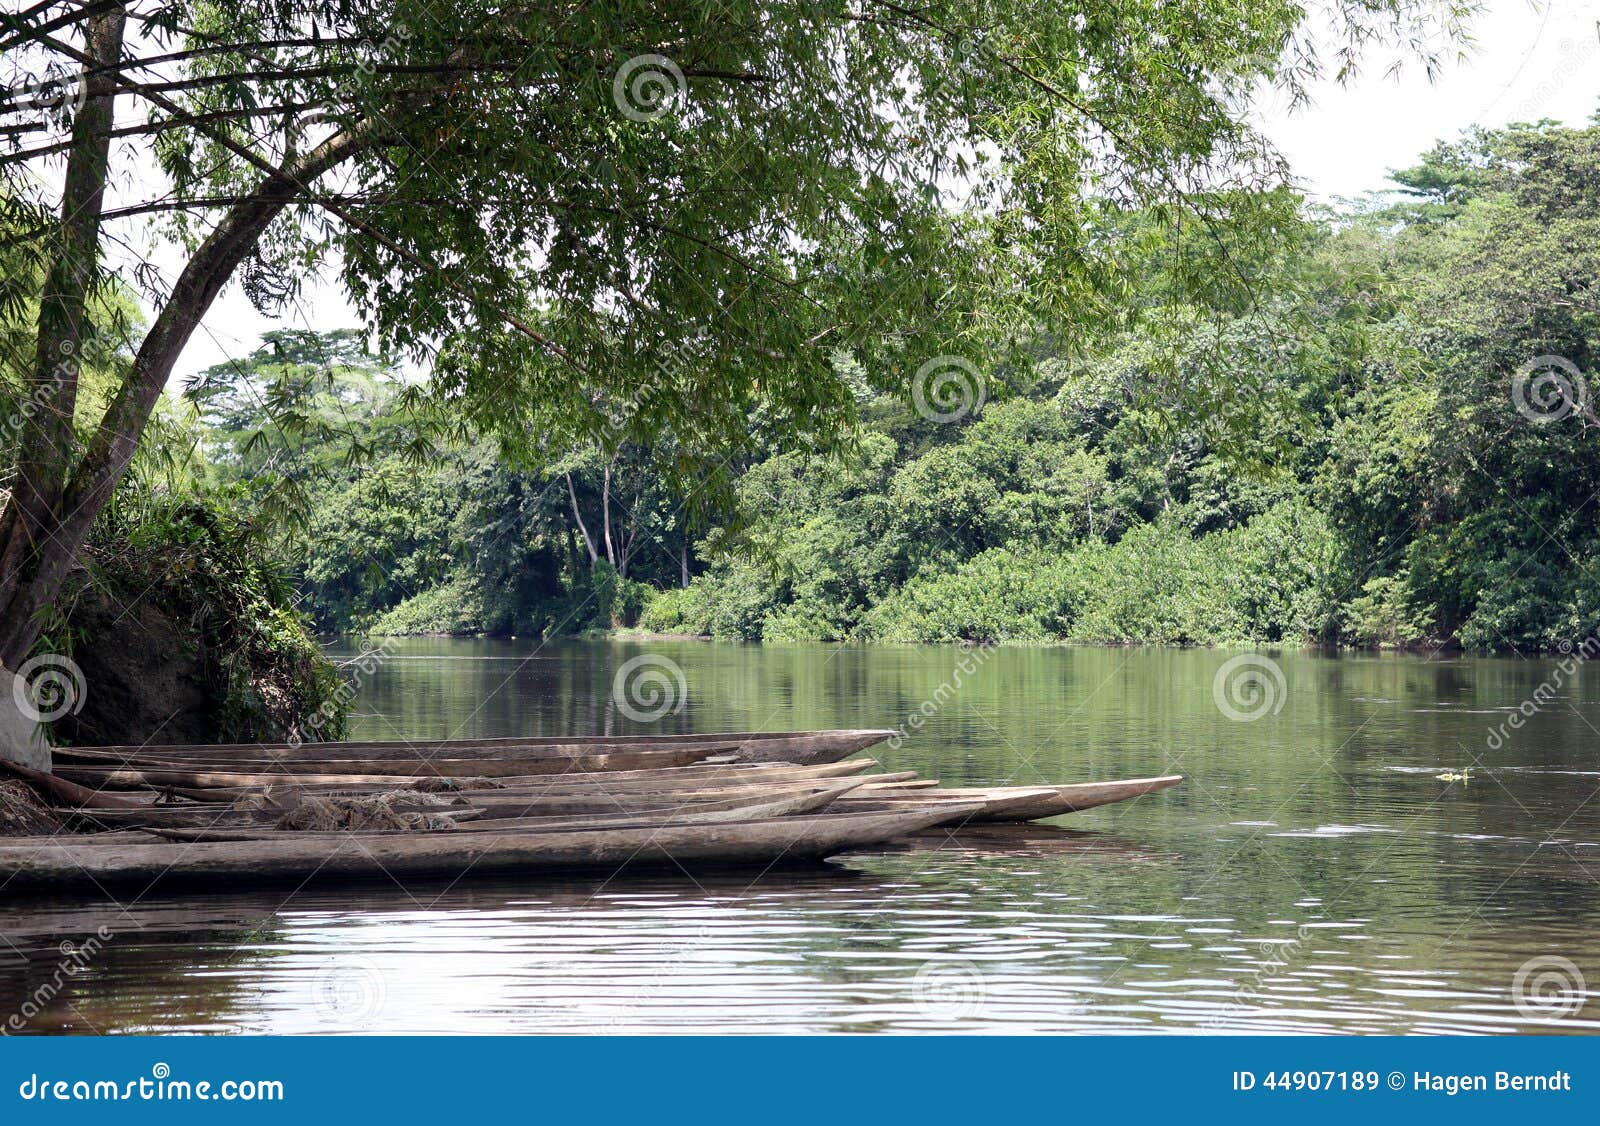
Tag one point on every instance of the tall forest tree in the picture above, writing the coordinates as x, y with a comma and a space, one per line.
550, 202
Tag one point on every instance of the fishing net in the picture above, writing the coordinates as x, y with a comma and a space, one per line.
378, 811
454, 785
22, 814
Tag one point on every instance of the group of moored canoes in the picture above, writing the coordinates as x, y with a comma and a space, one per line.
531, 806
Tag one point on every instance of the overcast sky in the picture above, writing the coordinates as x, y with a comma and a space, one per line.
1531, 61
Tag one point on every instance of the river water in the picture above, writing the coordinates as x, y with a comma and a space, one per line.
1362, 844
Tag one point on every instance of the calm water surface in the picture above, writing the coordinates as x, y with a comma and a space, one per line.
1314, 874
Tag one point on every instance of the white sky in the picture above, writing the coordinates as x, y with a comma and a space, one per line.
1531, 60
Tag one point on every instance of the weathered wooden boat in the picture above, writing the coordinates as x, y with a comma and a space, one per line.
560, 785
801, 747
288, 788
1028, 803
59, 863
534, 803
685, 778
998, 804
779, 797
808, 746
552, 765
334, 758
205, 815
780, 803
415, 770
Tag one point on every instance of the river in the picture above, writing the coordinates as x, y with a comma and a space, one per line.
1363, 844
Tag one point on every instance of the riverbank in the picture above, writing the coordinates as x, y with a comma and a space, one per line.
638, 635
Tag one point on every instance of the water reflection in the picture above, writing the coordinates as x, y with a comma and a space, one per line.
1314, 874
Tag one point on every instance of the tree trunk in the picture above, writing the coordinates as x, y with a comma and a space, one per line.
39, 547
577, 514
47, 444
683, 562
629, 539
605, 508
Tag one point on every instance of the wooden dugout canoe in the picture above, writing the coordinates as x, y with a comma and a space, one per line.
55, 863
393, 768
483, 804
539, 788
993, 805
802, 747
132, 778
685, 778
777, 804
497, 803
289, 788
337, 758
1029, 803
535, 800
210, 816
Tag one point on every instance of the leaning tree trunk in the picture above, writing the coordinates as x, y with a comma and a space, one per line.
42, 540
577, 514
47, 442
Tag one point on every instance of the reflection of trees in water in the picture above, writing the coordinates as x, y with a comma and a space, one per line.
147, 968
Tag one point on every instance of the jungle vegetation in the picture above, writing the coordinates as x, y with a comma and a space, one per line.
1009, 328
557, 206
1371, 452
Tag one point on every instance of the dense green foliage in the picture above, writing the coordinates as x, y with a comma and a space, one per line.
399, 521
1363, 457
227, 620
177, 583
1350, 458
648, 237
